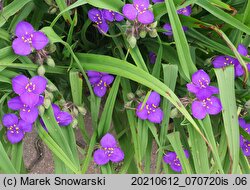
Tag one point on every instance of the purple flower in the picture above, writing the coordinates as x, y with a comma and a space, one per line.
174, 162
96, 15
152, 57
202, 107
244, 51
244, 144
200, 82
28, 114
151, 110
108, 151
29, 89
100, 82
27, 39
169, 32
185, 11
224, 60
112, 16
63, 118
139, 10
15, 128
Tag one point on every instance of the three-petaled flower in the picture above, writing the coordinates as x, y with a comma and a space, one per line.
108, 151
169, 31
139, 11
15, 128
96, 16
244, 144
29, 90
173, 161
151, 109
28, 114
63, 118
100, 81
112, 16
185, 11
27, 39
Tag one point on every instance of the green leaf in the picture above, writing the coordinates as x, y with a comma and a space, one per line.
107, 4
5, 164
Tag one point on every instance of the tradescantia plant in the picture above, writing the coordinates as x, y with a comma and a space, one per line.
165, 83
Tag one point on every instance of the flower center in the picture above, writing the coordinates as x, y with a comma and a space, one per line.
203, 82
30, 87
207, 102
25, 108
98, 19
109, 151
27, 38
102, 84
140, 8
14, 129
150, 108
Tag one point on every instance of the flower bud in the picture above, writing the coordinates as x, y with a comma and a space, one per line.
50, 61
51, 87
41, 110
82, 110
52, 10
140, 93
247, 104
175, 113
41, 70
51, 48
130, 96
128, 104
75, 111
47, 103
143, 34
132, 41
141, 99
153, 25
49, 2
74, 123
153, 33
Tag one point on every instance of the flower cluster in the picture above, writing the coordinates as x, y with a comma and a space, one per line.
173, 161
108, 151
100, 81
222, 61
151, 110
183, 11
29, 91
28, 39
205, 102
139, 12
101, 17
244, 144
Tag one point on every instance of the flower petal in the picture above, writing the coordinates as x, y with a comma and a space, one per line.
192, 88
185, 11
10, 120
94, 74
203, 94
213, 89
156, 117
176, 166
198, 110
118, 17
39, 40
64, 118
141, 113
56, 109
246, 148
129, 11
146, 17
242, 50
23, 28
41, 100
169, 157
169, 31
40, 84
93, 14
29, 114
200, 77
15, 103
100, 91
108, 141
103, 27
117, 155
100, 157
94, 80
238, 69
154, 98
142, 4
220, 61
108, 79
108, 15
24, 126
19, 83
215, 106
29, 99
20, 47
15, 137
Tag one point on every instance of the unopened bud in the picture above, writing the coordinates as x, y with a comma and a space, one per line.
82, 110
47, 103
51, 87
143, 34
153, 25
175, 113
49, 2
51, 48
153, 33
141, 99
50, 61
130, 96
41, 110
52, 10
132, 41
41, 70
140, 93
247, 104
74, 123
128, 104
75, 111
